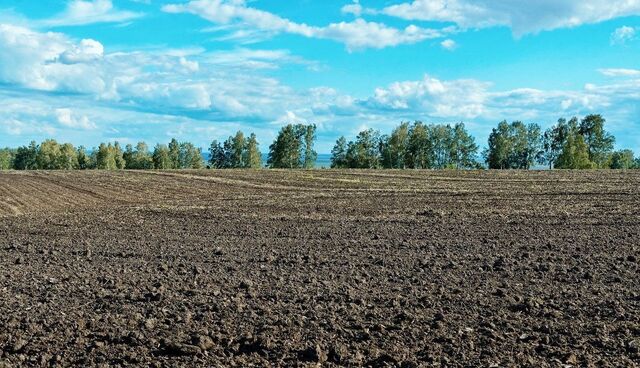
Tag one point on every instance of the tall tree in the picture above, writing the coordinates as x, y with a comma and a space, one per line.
252, 156
396, 148
237, 150
310, 155
599, 142
190, 157
364, 153
26, 157
162, 158
339, 154
84, 160
420, 150
174, 154
48, 155
285, 151
218, 157
68, 158
463, 148
575, 154
6, 159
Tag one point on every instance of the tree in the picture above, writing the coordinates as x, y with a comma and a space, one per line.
441, 142
575, 154
252, 156
48, 155
622, 160
190, 157
237, 144
105, 158
514, 146
68, 158
6, 159
419, 151
285, 151
339, 154
84, 160
310, 155
26, 157
174, 154
464, 148
118, 156
396, 147
599, 142
364, 153
162, 157
138, 159
218, 159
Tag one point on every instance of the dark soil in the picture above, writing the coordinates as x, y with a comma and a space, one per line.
352, 268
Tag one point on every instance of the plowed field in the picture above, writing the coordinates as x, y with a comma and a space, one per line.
331, 268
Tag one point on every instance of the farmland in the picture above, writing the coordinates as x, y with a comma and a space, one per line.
343, 268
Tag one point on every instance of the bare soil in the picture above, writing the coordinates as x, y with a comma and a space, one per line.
331, 268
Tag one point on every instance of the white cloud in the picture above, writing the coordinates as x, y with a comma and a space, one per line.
66, 118
623, 35
88, 50
81, 12
620, 72
522, 18
356, 9
358, 34
449, 44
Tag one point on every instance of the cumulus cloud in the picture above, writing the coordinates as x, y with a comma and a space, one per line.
81, 12
623, 35
358, 34
66, 118
532, 17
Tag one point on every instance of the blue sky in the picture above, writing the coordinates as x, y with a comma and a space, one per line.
129, 70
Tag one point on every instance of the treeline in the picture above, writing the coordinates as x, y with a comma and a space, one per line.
409, 146
573, 144
51, 155
293, 148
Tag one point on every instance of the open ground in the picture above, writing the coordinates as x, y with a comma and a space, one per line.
342, 268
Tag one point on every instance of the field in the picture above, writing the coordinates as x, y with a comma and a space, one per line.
342, 268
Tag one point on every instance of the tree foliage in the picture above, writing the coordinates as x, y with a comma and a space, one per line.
293, 147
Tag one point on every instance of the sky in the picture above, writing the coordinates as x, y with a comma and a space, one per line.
89, 71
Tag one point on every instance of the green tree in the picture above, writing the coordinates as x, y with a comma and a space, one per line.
339, 154
237, 150
575, 154
420, 150
252, 155
6, 159
599, 142
190, 157
396, 147
26, 157
622, 160
162, 157
285, 151
364, 153
174, 154
138, 159
105, 158
48, 155
68, 158
219, 158
310, 155
84, 160
463, 148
